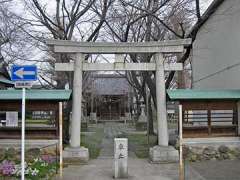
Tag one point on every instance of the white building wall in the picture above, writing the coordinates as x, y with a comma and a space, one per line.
216, 50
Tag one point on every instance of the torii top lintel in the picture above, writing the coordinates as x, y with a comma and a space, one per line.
169, 46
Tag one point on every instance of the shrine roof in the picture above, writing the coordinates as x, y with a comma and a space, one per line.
36, 94
195, 94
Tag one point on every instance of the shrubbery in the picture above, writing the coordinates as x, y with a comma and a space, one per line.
43, 167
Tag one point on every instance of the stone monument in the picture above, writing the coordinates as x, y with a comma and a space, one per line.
163, 154
93, 117
128, 116
141, 124
120, 158
84, 122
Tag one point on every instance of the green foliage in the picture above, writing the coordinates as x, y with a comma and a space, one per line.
140, 144
38, 169
93, 141
42, 170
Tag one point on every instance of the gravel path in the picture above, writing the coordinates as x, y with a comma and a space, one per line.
111, 131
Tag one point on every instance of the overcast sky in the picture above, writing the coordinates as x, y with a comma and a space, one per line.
50, 5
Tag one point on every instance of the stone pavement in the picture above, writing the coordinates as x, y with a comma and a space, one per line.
140, 169
111, 131
217, 170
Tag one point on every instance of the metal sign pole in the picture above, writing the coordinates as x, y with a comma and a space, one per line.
23, 134
23, 76
60, 138
181, 165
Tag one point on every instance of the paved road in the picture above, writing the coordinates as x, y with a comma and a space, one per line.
140, 169
217, 170
111, 131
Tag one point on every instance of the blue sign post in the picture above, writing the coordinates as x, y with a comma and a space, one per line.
24, 73
23, 77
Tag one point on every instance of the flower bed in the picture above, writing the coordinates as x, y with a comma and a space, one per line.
43, 167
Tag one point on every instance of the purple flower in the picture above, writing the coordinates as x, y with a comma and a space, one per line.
7, 168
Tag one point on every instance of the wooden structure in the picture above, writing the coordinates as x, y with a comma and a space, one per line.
111, 108
208, 113
109, 96
42, 111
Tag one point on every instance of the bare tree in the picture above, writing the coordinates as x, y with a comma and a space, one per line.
142, 21
123, 20
201, 19
13, 41
67, 20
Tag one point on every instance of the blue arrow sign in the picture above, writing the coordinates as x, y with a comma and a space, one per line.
24, 73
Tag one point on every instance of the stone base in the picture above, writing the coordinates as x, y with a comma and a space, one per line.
163, 154
76, 155
141, 126
217, 148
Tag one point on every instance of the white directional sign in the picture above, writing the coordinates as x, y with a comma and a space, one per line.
21, 73
23, 76
24, 73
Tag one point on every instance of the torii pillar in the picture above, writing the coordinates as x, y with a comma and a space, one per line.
161, 101
76, 153
162, 152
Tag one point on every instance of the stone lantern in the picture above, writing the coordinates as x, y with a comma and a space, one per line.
141, 124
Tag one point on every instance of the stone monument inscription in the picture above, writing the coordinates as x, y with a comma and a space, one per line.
120, 158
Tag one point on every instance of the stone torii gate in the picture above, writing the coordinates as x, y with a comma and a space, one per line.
79, 49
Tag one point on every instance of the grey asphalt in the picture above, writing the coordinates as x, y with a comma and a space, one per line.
216, 170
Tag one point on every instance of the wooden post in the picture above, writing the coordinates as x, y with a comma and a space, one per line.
236, 116
147, 96
124, 104
125, 108
92, 101
96, 110
110, 108
119, 108
181, 164
209, 121
60, 139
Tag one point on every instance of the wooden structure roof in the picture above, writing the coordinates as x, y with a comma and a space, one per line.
35, 94
208, 113
195, 94
111, 85
6, 81
42, 113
